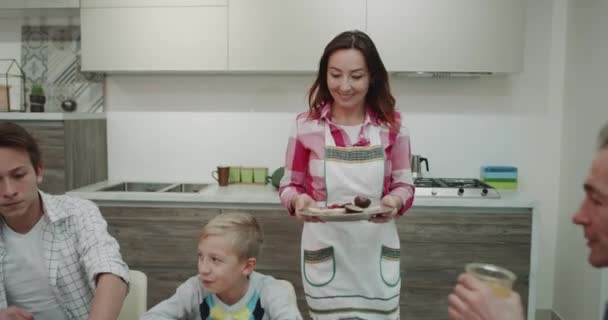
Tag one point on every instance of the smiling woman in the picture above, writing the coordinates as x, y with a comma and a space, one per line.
350, 143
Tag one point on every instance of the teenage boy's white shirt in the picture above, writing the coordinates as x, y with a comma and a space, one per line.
77, 248
277, 300
28, 286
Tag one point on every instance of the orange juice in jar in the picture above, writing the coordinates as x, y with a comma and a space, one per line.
498, 278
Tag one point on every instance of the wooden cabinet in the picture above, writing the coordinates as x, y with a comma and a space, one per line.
74, 152
276, 35
177, 38
280, 256
436, 243
457, 35
161, 242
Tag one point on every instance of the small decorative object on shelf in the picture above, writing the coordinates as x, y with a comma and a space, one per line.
68, 105
37, 98
12, 86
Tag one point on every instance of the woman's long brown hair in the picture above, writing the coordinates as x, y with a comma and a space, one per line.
379, 96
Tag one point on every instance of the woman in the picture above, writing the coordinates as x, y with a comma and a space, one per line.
350, 143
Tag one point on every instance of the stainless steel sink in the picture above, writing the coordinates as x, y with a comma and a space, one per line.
136, 187
155, 187
186, 187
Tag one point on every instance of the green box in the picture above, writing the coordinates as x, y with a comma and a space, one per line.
234, 175
260, 175
504, 185
247, 175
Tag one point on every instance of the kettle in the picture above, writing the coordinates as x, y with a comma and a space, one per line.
277, 175
416, 165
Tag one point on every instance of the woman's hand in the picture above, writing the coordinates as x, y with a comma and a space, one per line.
302, 202
391, 202
473, 300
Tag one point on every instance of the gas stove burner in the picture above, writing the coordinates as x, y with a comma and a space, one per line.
454, 188
427, 183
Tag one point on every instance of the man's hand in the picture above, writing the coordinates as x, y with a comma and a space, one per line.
474, 300
302, 202
14, 313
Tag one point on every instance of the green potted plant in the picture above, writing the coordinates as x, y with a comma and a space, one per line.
37, 98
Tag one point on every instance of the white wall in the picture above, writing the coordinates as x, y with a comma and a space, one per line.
11, 22
10, 31
459, 124
10, 39
10, 48
183, 126
577, 284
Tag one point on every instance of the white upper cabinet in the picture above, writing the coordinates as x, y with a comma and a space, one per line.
11, 4
149, 3
448, 35
36, 4
51, 4
287, 35
154, 38
290, 35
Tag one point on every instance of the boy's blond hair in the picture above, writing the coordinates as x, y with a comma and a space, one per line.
240, 229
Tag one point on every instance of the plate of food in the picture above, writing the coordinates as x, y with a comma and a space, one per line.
360, 210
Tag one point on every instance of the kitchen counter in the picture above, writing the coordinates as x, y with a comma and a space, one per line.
263, 197
437, 238
50, 116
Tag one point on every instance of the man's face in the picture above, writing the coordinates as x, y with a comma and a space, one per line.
18, 183
593, 212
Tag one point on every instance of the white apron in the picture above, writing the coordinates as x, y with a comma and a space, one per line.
350, 270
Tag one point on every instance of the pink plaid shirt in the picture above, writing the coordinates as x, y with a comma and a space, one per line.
304, 169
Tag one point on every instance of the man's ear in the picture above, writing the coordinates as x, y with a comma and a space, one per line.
39, 172
249, 266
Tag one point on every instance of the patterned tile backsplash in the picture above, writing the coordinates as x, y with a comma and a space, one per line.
50, 55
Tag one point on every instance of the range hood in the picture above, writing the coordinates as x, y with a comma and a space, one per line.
449, 39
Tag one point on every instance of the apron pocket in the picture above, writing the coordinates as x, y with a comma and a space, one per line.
390, 259
319, 266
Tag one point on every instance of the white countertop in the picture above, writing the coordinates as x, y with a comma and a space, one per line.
263, 196
508, 199
50, 116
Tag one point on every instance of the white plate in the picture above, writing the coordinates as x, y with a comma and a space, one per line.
339, 214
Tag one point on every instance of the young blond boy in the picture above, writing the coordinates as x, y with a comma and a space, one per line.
227, 287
